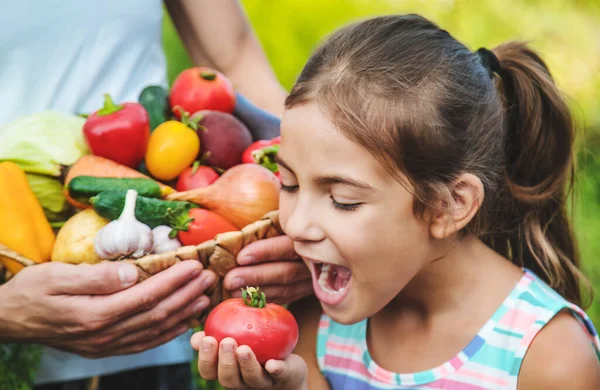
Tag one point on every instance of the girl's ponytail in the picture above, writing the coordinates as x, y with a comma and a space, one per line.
539, 171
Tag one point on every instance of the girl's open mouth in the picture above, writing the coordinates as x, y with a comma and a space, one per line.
330, 282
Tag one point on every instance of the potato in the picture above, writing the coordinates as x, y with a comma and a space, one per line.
75, 239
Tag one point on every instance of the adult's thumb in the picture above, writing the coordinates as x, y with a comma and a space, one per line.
84, 279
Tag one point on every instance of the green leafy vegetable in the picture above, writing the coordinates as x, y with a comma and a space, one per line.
49, 191
42, 142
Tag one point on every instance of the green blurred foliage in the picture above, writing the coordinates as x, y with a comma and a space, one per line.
565, 32
18, 365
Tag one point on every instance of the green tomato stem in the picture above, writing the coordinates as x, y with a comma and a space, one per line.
185, 118
109, 106
253, 297
206, 75
195, 166
178, 219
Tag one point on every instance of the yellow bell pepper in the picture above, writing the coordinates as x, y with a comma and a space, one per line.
23, 225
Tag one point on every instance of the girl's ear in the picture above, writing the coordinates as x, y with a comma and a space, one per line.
455, 212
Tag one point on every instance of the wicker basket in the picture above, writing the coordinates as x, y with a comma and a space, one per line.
218, 255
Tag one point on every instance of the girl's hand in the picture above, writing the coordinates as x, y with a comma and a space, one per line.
237, 368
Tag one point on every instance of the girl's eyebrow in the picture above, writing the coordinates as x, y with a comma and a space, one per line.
343, 180
330, 179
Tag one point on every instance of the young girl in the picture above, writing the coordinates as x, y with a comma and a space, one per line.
424, 185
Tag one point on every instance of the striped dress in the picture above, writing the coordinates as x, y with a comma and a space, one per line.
491, 360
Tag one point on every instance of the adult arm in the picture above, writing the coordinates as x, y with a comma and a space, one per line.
218, 34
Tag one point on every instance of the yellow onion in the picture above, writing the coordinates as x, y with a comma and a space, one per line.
242, 195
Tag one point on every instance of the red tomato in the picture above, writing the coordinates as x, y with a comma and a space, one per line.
205, 226
202, 88
195, 177
270, 330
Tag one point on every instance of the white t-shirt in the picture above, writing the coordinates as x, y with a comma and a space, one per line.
64, 55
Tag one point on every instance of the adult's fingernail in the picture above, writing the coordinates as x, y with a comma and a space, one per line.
128, 274
200, 306
245, 260
243, 355
206, 345
182, 329
227, 347
237, 283
195, 272
209, 279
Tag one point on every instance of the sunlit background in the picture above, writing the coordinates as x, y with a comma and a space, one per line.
565, 32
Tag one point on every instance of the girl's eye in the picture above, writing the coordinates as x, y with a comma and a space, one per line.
285, 188
345, 206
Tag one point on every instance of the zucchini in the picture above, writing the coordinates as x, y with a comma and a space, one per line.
152, 212
155, 100
82, 188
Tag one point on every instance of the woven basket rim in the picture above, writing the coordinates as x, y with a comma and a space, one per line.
5, 251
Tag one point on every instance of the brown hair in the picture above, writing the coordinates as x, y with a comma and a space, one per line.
426, 106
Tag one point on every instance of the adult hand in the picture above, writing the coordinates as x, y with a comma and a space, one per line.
274, 266
99, 310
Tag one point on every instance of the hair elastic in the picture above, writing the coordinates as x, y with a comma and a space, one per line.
490, 61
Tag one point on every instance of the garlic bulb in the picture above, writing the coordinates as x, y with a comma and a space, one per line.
162, 241
126, 236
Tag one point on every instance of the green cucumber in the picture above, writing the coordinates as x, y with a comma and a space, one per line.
152, 212
82, 188
155, 100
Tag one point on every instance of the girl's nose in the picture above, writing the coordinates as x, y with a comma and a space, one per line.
303, 223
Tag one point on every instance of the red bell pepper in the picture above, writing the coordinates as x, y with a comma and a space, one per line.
118, 132
263, 153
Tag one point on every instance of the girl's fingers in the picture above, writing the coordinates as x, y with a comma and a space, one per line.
228, 369
236, 367
291, 370
207, 358
252, 372
196, 340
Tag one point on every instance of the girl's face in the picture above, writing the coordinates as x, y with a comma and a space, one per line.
351, 221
